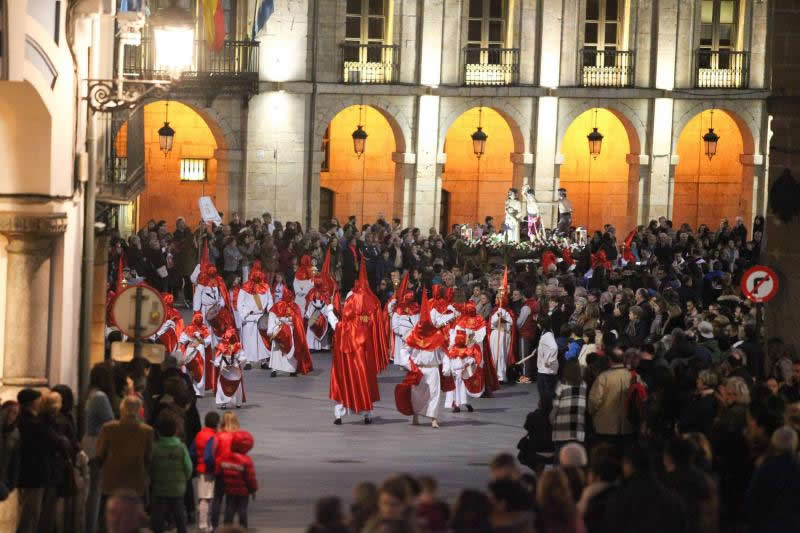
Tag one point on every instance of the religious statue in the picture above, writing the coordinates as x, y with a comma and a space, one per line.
564, 213
513, 211
535, 228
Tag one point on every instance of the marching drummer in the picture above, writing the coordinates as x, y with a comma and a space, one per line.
194, 342
230, 384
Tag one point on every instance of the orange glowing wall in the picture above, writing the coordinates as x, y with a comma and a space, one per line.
364, 186
708, 191
475, 194
165, 196
602, 190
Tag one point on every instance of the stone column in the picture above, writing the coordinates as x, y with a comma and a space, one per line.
523, 167
403, 187
659, 186
30, 245
230, 164
545, 177
425, 182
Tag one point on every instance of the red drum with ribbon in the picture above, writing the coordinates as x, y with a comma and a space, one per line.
473, 380
229, 379
284, 338
318, 325
195, 367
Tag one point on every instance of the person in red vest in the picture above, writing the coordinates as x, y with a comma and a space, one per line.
359, 348
204, 482
528, 331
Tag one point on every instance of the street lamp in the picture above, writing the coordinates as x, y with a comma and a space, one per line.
595, 139
710, 139
166, 135
479, 137
359, 140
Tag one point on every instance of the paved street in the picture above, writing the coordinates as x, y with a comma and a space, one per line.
300, 455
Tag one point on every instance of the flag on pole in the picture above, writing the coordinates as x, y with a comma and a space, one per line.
263, 12
214, 23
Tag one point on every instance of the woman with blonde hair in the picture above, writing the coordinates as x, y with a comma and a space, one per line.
557, 509
221, 446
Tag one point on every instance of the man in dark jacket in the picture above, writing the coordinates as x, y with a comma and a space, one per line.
37, 444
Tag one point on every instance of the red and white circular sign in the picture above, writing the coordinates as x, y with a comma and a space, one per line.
760, 284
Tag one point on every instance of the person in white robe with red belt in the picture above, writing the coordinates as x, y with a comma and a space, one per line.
404, 317
473, 327
303, 281
255, 298
318, 332
195, 343
503, 335
286, 337
462, 366
229, 354
424, 348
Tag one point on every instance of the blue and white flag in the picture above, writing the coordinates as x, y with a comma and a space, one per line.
264, 11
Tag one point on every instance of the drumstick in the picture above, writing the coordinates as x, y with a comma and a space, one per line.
525, 359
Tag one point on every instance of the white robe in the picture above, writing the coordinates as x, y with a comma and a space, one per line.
221, 362
185, 343
315, 343
279, 360
500, 341
425, 396
440, 320
301, 288
204, 299
401, 327
456, 366
255, 349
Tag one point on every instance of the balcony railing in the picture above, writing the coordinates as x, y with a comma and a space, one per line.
722, 69
606, 68
370, 63
491, 66
236, 59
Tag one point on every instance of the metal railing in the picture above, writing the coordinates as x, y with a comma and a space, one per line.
370, 63
606, 68
491, 66
722, 69
235, 59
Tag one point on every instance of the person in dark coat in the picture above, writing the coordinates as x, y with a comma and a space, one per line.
9, 449
771, 499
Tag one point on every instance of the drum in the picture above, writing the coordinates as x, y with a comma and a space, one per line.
263, 321
284, 338
473, 383
402, 399
318, 325
229, 379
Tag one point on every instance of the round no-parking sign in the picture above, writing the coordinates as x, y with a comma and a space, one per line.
760, 284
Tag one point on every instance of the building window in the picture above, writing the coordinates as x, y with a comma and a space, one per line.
229, 10
368, 56
194, 169
604, 60
326, 149
365, 23
120, 169
487, 60
720, 60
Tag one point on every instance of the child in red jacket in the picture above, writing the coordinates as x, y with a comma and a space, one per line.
239, 476
204, 482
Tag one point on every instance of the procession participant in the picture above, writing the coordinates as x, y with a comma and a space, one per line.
535, 228
357, 350
318, 298
403, 319
286, 338
513, 211
424, 349
170, 331
503, 334
211, 300
303, 281
443, 313
463, 358
255, 299
399, 289
473, 327
235, 289
526, 325
229, 356
195, 343
564, 213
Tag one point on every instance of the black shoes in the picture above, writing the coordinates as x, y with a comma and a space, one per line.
273, 374
248, 366
469, 408
456, 409
293, 375
264, 365
337, 422
367, 420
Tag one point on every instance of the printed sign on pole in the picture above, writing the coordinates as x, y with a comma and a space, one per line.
208, 211
760, 284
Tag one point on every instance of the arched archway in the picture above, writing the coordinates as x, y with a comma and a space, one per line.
708, 190
175, 181
603, 189
364, 186
478, 187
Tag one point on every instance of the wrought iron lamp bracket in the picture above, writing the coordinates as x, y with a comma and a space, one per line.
106, 96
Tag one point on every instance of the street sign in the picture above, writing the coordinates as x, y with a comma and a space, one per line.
123, 352
147, 314
760, 284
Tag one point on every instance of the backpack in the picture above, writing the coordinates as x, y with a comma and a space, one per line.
635, 400
208, 455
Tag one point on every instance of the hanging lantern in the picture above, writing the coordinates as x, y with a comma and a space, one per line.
710, 139
359, 140
166, 135
595, 142
479, 142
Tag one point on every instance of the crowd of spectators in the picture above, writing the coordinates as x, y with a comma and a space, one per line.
662, 408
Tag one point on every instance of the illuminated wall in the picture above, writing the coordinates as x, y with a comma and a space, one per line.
708, 191
601, 190
475, 194
165, 196
364, 186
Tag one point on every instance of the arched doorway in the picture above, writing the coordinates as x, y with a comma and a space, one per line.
478, 186
708, 190
362, 186
602, 189
326, 199
175, 181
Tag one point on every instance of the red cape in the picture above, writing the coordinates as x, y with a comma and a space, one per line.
287, 308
